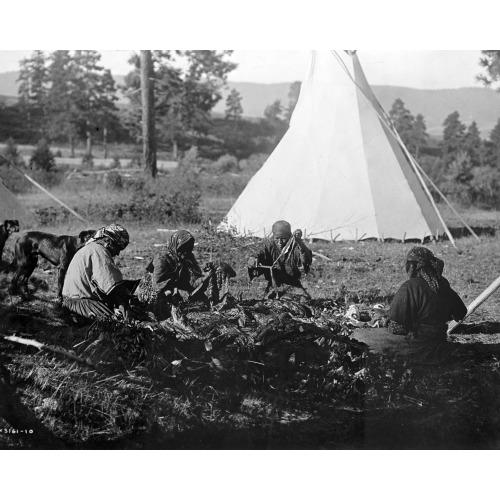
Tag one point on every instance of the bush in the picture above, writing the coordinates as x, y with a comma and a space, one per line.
113, 181
50, 216
87, 161
149, 207
14, 181
42, 158
49, 178
227, 163
191, 160
253, 163
485, 188
11, 154
186, 207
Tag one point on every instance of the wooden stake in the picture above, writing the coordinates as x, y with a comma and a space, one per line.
43, 347
322, 256
477, 302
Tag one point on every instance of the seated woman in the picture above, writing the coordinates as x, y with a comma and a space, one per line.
426, 302
421, 308
281, 258
94, 286
174, 268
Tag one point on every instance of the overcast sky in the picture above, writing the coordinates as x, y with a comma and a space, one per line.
428, 69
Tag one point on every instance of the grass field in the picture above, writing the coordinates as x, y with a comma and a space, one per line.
229, 403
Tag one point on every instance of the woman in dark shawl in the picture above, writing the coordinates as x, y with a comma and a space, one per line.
174, 268
419, 312
425, 303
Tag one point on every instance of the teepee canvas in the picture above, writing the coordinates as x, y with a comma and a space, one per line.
339, 172
10, 207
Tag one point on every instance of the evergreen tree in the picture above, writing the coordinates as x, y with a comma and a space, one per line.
234, 109
62, 98
275, 120
403, 121
42, 158
473, 144
10, 154
188, 85
453, 137
495, 144
95, 94
33, 87
81, 98
419, 135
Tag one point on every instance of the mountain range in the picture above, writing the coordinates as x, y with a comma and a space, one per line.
481, 105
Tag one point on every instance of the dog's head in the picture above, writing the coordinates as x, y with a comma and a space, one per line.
85, 236
11, 226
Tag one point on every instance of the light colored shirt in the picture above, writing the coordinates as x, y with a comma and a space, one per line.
91, 270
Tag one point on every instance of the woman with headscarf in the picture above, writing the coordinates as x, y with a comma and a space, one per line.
284, 255
419, 313
426, 302
174, 268
94, 286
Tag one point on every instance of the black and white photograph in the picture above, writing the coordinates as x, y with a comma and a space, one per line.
249, 250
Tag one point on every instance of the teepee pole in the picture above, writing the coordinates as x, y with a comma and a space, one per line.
385, 120
9, 161
431, 182
420, 178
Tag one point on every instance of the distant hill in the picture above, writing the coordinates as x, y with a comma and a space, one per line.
479, 104
474, 103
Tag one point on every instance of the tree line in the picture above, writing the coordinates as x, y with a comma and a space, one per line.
462, 164
68, 96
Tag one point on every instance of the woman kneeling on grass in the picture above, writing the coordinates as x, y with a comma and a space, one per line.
422, 306
94, 286
174, 268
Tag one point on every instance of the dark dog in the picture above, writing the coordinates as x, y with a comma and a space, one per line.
6, 229
58, 250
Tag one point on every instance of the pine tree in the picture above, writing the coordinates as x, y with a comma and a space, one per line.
419, 135
95, 95
453, 137
473, 144
495, 144
403, 121
33, 87
62, 100
234, 109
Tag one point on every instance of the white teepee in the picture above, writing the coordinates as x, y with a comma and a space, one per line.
339, 172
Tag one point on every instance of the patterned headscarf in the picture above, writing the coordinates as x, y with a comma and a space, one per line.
114, 232
183, 241
421, 262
